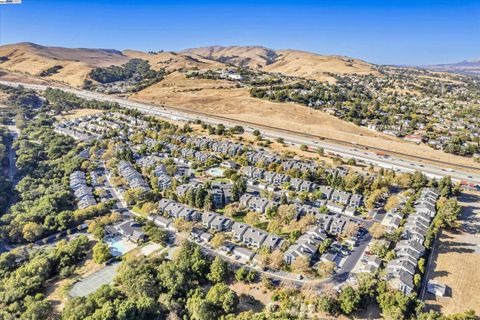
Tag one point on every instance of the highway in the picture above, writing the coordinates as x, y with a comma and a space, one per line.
396, 161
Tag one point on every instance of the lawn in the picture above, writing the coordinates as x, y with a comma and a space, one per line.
457, 261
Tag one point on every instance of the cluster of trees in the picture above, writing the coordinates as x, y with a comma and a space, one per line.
51, 71
137, 70
5, 184
189, 286
45, 202
59, 101
23, 277
249, 77
448, 211
23, 102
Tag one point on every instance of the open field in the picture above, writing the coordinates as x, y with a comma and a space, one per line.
221, 98
457, 261
261, 296
77, 113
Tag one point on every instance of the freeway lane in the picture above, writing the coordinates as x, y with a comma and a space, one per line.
397, 163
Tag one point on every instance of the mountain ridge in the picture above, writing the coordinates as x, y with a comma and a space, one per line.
469, 67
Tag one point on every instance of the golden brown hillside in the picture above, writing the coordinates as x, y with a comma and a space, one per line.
289, 62
174, 61
32, 59
76, 63
254, 57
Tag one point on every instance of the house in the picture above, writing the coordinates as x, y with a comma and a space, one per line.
405, 245
201, 235
402, 281
350, 211
255, 203
131, 230
164, 181
392, 220
221, 223
272, 242
335, 207
207, 218
329, 256
368, 264
160, 221
238, 230
229, 164
132, 176
243, 253
221, 193
305, 246
253, 172
81, 191
177, 210
340, 196
425, 208
338, 225
302, 185
205, 237
394, 266
254, 237
326, 192
182, 190
356, 200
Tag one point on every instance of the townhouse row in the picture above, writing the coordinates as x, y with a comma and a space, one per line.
134, 179
400, 271
82, 192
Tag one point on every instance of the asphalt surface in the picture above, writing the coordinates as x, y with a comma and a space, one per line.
94, 281
369, 157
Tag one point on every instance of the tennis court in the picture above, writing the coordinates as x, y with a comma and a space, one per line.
94, 281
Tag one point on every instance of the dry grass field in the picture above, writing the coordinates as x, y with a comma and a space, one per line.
457, 262
223, 99
77, 113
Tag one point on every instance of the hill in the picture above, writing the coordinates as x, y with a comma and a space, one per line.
174, 61
289, 62
466, 67
72, 65
75, 63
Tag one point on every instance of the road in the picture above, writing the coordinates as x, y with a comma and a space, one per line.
359, 152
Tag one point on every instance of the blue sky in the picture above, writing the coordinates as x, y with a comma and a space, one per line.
385, 32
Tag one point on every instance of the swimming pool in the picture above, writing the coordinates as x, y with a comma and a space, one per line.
119, 246
215, 172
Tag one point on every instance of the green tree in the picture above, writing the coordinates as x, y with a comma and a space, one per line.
218, 270
221, 296
349, 300
101, 252
328, 303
